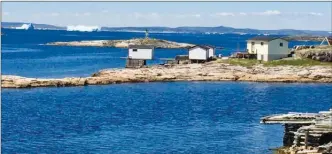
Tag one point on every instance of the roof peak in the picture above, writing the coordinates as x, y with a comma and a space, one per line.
203, 46
265, 38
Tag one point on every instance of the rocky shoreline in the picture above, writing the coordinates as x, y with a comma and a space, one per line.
212, 71
157, 43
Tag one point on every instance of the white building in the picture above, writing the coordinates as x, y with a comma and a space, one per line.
142, 52
212, 51
268, 48
201, 52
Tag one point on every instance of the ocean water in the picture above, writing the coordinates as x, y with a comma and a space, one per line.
169, 117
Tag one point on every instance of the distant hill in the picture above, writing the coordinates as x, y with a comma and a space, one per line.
220, 29
187, 29
36, 26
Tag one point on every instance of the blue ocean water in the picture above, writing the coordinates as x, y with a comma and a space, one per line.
170, 117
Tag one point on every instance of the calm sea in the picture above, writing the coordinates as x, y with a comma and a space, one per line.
174, 117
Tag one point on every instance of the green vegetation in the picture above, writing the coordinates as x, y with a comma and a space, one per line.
283, 62
297, 62
237, 61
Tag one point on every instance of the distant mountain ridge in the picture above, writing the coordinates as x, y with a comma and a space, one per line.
185, 29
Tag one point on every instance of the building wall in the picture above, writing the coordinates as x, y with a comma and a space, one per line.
135, 63
269, 50
263, 57
211, 52
275, 48
257, 47
141, 54
249, 47
198, 54
275, 51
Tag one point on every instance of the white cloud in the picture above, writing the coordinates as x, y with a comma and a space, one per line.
87, 14
180, 15
81, 14
55, 14
187, 15
138, 15
76, 14
224, 14
272, 12
154, 15
105, 11
304, 13
197, 15
6, 13
315, 14
267, 13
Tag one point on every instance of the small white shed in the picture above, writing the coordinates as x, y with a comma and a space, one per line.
201, 52
212, 50
142, 52
268, 48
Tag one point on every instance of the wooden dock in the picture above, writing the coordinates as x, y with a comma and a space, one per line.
305, 133
290, 118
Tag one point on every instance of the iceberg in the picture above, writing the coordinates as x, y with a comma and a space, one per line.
83, 28
26, 27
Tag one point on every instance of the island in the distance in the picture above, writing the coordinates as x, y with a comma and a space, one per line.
157, 43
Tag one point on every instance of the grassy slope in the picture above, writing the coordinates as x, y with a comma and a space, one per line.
293, 62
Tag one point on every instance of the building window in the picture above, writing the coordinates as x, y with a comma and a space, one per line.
262, 43
134, 50
281, 44
252, 43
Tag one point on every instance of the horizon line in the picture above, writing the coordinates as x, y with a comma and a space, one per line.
160, 26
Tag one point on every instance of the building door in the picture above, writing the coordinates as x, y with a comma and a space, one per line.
262, 57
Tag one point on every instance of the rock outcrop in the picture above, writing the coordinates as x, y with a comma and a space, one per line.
124, 43
212, 71
320, 53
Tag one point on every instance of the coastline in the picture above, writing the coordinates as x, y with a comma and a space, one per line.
212, 71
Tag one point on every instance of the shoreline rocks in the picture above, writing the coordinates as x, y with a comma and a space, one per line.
319, 53
157, 43
211, 71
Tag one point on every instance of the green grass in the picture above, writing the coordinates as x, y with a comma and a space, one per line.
291, 62
297, 62
241, 62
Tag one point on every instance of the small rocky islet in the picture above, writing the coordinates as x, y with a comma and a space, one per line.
157, 43
210, 71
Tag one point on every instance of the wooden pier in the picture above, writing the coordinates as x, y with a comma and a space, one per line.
290, 118
305, 133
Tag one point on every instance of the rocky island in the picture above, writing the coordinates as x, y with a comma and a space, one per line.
158, 43
211, 71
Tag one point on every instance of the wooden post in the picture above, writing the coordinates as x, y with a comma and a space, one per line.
306, 139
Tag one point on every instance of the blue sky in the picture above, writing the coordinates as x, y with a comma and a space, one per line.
259, 15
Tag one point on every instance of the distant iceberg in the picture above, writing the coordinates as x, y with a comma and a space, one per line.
26, 27
82, 28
